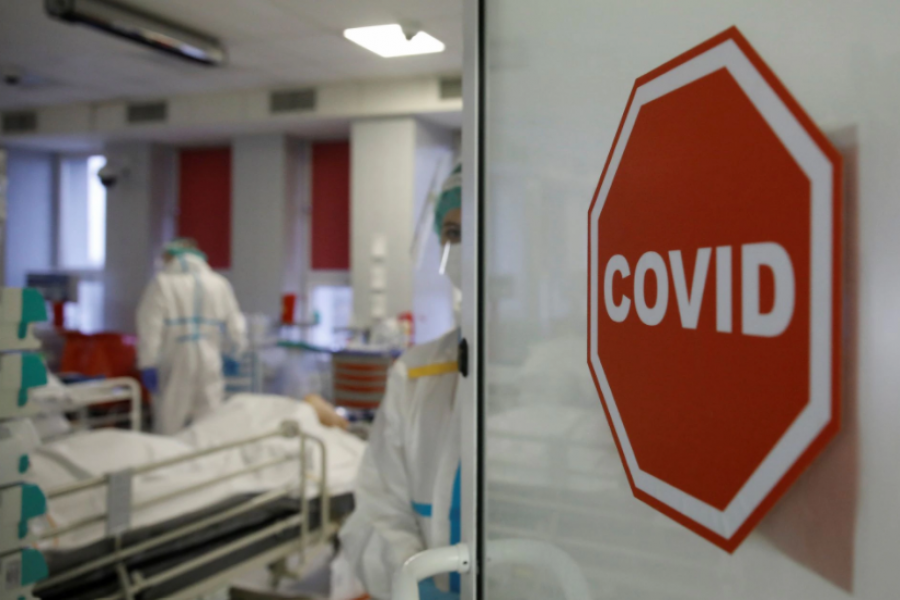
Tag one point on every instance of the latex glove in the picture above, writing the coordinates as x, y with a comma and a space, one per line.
429, 591
150, 379
230, 366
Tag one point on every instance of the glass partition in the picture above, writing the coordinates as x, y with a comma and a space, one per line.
557, 77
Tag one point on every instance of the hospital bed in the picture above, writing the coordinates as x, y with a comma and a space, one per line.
65, 409
137, 516
53, 411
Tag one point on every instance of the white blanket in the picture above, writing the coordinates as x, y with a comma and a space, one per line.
93, 453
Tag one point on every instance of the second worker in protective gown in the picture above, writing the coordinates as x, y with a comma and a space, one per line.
187, 318
408, 487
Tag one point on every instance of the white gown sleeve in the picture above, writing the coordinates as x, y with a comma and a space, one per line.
383, 531
235, 323
151, 320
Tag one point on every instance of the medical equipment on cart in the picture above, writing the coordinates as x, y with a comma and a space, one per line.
58, 289
19, 571
254, 371
359, 378
244, 375
21, 567
20, 309
353, 381
18, 505
18, 439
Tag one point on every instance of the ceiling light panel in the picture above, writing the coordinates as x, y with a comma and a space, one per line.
389, 41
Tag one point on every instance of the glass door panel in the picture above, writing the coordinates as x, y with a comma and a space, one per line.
557, 76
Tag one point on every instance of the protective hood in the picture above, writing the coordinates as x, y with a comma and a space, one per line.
186, 263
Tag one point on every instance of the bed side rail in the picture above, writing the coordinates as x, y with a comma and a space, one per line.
133, 583
79, 397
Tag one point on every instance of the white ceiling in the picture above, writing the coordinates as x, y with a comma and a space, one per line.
270, 43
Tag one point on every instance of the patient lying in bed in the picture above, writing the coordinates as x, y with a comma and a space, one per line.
89, 454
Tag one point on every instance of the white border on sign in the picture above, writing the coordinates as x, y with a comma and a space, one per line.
817, 414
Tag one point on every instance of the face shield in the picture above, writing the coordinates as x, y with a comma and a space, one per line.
447, 225
451, 264
441, 213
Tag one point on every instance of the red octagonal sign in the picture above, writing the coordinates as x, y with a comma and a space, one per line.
714, 289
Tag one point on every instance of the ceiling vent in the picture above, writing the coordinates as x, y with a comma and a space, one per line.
451, 88
147, 112
284, 101
23, 121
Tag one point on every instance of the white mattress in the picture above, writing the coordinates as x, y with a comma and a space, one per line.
102, 451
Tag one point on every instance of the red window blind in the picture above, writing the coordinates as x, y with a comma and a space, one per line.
204, 187
331, 206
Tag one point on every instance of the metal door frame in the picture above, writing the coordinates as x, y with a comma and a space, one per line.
471, 389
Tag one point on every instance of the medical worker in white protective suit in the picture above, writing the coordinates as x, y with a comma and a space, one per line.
408, 487
187, 317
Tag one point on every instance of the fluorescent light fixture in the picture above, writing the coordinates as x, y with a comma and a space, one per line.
389, 41
123, 21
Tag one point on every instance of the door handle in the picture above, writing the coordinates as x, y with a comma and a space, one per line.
425, 564
456, 559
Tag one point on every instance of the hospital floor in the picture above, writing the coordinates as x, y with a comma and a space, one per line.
315, 584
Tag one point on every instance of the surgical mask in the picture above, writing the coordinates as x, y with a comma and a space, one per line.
451, 264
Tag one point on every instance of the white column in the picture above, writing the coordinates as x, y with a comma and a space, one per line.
269, 192
295, 277
393, 162
258, 197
